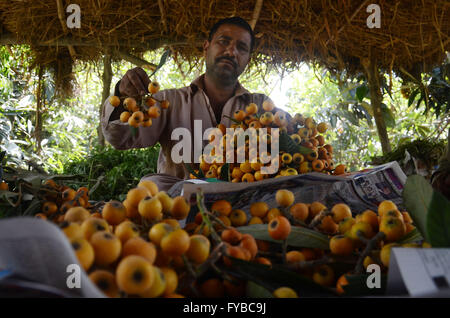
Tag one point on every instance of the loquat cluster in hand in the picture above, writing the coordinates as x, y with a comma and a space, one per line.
140, 113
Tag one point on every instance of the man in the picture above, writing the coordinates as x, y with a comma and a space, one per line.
212, 98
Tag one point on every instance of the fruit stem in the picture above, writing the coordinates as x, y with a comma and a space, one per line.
189, 267
372, 243
284, 246
216, 219
203, 210
318, 219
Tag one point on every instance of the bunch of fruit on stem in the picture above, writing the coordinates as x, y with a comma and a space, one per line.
305, 134
140, 113
137, 247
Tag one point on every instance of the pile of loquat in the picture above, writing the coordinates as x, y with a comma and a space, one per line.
304, 132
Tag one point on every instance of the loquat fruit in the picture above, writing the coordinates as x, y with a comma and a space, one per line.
114, 212
134, 275
138, 246
106, 282
83, 251
279, 228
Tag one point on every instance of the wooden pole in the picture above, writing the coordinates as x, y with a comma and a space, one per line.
38, 118
376, 98
107, 78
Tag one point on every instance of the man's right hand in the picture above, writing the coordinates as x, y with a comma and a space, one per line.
134, 83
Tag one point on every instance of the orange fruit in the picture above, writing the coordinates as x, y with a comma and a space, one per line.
259, 209
284, 198
107, 248
223, 207
199, 247
138, 246
76, 214
106, 282
114, 212
126, 230
83, 251
340, 211
175, 243
279, 228
299, 211
134, 274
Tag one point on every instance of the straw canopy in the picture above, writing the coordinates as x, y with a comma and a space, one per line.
333, 34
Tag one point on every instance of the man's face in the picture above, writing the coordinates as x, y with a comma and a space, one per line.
228, 53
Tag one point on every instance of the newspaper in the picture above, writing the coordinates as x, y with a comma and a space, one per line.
360, 190
419, 272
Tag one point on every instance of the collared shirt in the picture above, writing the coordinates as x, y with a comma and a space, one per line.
187, 104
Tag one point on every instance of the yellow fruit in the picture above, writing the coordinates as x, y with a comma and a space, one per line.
125, 116
106, 282
114, 101
114, 212
268, 105
134, 275
386, 206
92, 225
135, 195
150, 186
72, 230
259, 209
166, 201
284, 198
83, 251
159, 231
299, 211
385, 254
340, 211
393, 228
76, 214
171, 280
126, 230
151, 209
153, 87
138, 246
180, 208
285, 292
322, 127
107, 248
199, 247
341, 245
176, 243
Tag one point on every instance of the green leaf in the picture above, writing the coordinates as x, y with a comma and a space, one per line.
412, 237
225, 172
162, 61
199, 175
361, 92
417, 199
276, 276
438, 221
257, 291
299, 236
412, 97
388, 116
288, 145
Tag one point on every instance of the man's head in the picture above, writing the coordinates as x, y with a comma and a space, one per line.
228, 48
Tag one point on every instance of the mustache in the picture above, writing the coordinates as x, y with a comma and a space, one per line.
228, 59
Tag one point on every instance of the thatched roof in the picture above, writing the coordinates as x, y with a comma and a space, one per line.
331, 33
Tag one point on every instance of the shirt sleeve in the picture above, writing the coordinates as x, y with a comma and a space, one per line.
120, 134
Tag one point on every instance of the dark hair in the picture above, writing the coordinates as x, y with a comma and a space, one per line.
235, 21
